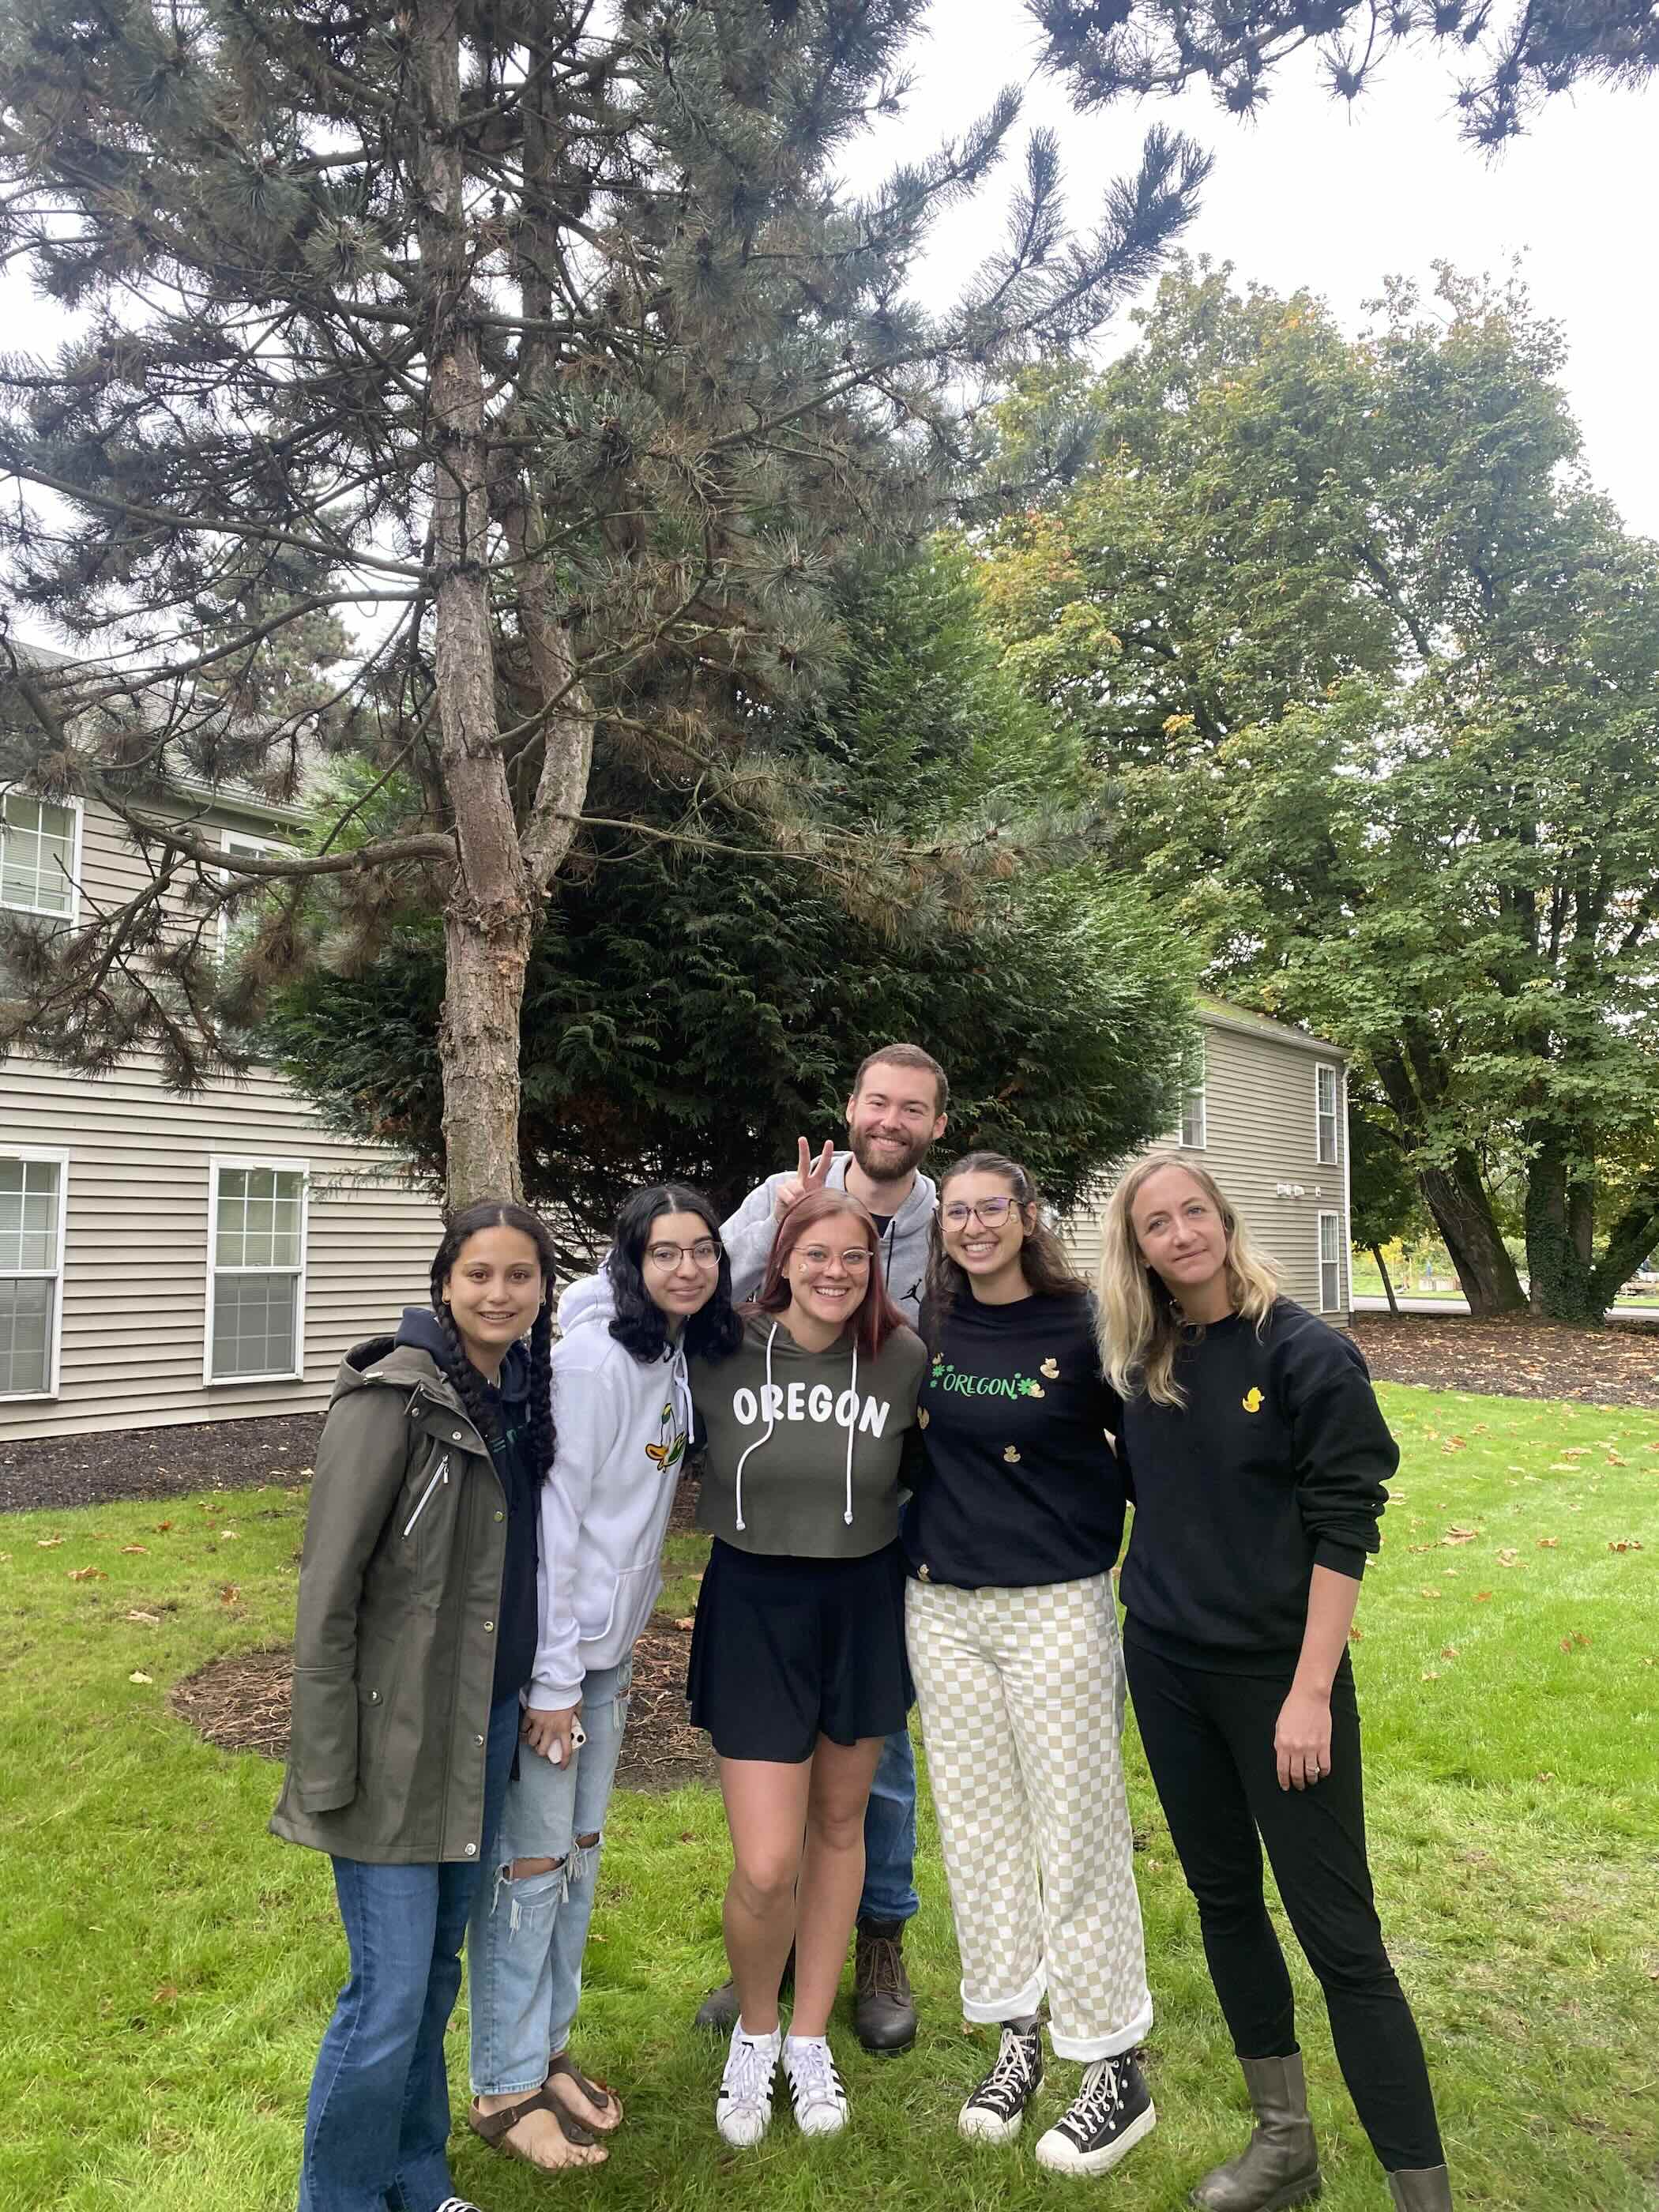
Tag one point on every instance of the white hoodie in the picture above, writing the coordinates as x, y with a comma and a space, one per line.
622, 1427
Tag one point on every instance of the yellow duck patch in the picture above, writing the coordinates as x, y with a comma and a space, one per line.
1051, 1369
1251, 1400
1010, 1455
923, 1417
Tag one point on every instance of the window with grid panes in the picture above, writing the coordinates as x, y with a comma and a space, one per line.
37, 854
31, 1193
1330, 1262
257, 1268
1328, 1093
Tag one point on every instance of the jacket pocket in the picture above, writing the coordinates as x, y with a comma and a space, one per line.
439, 1476
628, 1595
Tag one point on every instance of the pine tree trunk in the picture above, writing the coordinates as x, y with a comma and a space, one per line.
1457, 1199
487, 916
1388, 1286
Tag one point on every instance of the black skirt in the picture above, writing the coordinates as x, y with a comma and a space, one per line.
787, 1649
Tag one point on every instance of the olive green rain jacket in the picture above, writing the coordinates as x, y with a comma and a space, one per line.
394, 1647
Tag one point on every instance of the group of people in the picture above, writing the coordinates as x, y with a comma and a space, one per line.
919, 1432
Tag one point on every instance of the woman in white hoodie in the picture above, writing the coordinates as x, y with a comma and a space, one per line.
623, 1414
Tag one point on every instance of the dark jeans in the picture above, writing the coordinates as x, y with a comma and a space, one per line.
377, 2118
889, 1834
1209, 1741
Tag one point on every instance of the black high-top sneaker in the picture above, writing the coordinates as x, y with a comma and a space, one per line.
996, 2111
1106, 2119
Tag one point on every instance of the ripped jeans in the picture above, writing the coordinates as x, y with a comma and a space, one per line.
525, 1939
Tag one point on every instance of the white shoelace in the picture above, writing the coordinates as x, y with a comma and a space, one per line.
749, 2066
1007, 2087
813, 2080
1102, 2093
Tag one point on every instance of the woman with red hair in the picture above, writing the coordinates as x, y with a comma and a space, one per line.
798, 1666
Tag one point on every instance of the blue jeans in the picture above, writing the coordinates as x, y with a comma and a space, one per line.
377, 2120
889, 1834
525, 1947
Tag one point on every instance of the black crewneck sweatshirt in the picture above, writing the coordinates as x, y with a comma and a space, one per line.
1275, 1465
1016, 1485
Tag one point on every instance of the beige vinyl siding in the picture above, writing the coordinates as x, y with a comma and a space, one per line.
135, 1243
134, 1284
1261, 1132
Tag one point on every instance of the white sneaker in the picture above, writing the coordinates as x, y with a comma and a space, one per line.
819, 2098
743, 2111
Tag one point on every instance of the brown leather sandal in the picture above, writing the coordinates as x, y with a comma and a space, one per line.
600, 2094
494, 2127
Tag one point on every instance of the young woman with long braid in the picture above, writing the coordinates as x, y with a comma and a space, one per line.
1258, 1456
416, 1631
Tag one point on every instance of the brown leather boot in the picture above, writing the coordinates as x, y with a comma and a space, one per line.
1279, 2165
1421, 2189
883, 2015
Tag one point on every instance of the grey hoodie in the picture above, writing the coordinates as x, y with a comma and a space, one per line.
748, 1238
623, 1427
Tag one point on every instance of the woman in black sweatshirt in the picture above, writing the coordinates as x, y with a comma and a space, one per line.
1258, 1457
1011, 1536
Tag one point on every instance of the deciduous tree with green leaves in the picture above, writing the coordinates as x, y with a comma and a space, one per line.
1374, 675
491, 393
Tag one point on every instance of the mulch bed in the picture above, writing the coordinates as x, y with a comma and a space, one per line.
58, 1471
1515, 1357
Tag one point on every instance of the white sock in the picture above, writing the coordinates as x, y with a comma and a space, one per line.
772, 2035
801, 2042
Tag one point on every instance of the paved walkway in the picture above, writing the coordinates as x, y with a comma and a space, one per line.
1459, 1306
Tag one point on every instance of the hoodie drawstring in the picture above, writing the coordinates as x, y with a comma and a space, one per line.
852, 1431
771, 1423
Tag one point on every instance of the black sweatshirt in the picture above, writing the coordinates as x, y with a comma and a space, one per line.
1275, 1465
1017, 1484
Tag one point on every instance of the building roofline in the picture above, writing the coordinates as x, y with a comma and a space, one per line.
1221, 1014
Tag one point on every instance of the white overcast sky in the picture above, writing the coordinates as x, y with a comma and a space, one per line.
1315, 194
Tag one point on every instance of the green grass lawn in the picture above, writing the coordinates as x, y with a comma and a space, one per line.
171, 1966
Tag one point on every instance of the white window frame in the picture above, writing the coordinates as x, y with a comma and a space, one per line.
216, 1165
262, 847
1330, 1214
58, 1158
1197, 1095
71, 920
1332, 1158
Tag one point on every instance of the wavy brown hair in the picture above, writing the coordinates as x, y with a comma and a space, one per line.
877, 1317
1043, 1260
1141, 1327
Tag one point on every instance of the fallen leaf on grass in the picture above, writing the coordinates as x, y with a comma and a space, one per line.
1548, 1543
686, 1623
1624, 1544
137, 1677
167, 1993
1429, 1593
87, 1575
1353, 1636
1431, 1674
1448, 1651
161, 1527
227, 1535
144, 1548
47, 1543
1458, 1535
149, 1619
1480, 1596
1614, 1459
230, 1593
1507, 1556
1574, 1451
1576, 1642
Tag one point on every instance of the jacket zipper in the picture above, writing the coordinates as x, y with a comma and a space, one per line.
442, 1475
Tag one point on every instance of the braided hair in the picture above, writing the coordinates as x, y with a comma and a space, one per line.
469, 1383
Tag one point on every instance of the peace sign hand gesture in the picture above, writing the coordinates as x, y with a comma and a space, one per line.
810, 1176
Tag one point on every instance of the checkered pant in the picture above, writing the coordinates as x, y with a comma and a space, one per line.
1021, 1694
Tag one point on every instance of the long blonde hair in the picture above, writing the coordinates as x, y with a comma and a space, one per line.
1141, 1324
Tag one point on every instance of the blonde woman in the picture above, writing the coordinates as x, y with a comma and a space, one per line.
1259, 1456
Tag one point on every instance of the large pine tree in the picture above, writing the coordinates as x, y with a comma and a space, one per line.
474, 389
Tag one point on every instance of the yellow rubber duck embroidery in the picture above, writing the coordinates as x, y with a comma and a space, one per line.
1051, 1369
1038, 1391
1010, 1455
1252, 1399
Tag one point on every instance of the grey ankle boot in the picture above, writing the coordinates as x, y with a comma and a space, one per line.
1280, 2165
1421, 2189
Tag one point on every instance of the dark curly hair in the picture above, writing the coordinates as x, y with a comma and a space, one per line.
639, 1325
500, 1214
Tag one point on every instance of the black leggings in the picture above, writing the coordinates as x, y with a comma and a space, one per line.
1209, 1741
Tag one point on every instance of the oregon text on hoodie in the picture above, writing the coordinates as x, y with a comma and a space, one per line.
1275, 1465
621, 1425
804, 1447
748, 1237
